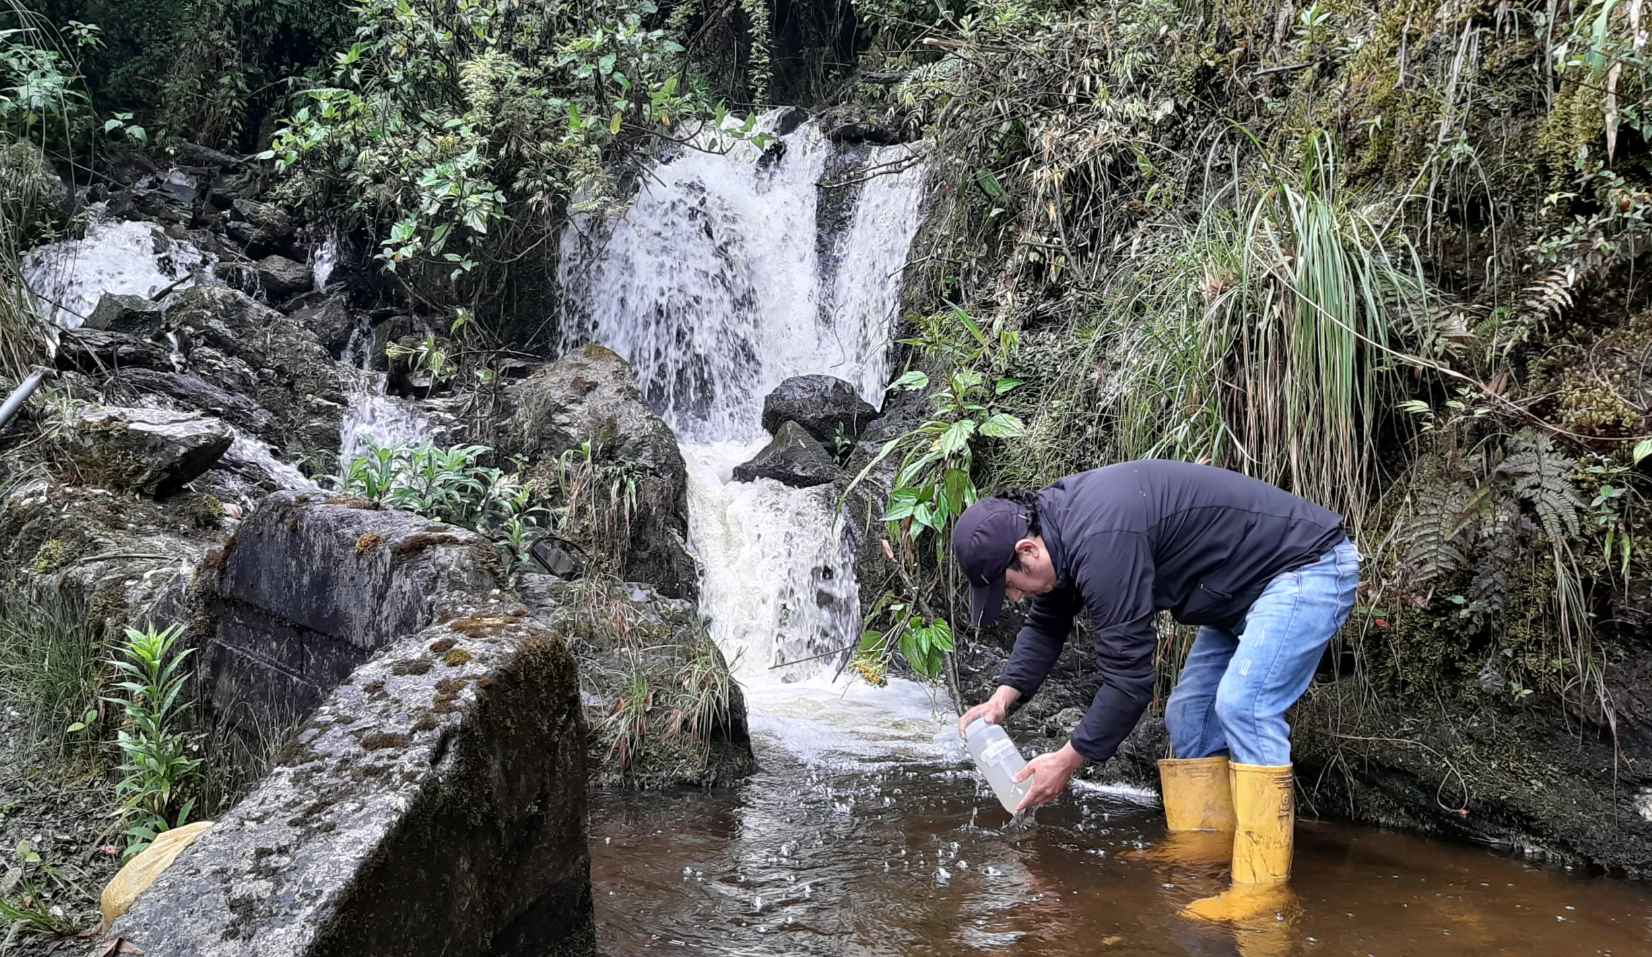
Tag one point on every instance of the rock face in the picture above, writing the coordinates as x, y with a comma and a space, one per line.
591, 396
331, 321
627, 637
366, 577
146, 450
189, 392
794, 458
94, 351
434, 803
250, 350
819, 403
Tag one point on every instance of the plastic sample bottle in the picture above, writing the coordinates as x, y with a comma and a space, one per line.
998, 759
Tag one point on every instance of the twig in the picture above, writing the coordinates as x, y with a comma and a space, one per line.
1461, 781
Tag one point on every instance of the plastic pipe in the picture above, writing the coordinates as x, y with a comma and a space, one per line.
19, 396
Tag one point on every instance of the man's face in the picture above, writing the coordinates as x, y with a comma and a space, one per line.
1036, 576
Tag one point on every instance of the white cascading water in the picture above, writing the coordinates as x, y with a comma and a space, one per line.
130, 258
373, 417
720, 282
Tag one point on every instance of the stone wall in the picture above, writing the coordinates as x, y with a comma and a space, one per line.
434, 803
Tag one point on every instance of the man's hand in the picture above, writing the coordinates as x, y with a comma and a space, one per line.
1051, 773
993, 709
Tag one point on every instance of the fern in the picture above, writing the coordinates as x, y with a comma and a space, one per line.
1541, 476
1432, 547
1498, 551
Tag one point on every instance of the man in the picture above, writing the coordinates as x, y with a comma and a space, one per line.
1270, 576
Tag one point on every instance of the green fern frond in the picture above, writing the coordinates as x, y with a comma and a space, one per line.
1541, 476
1432, 546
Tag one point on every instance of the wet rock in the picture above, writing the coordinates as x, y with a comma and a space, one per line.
591, 396
263, 228
697, 735
133, 315
331, 321
181, 188
281, 278
146, 450
192, 154
190, 393
436, 795
246, 348
794, 458
826, 407
92, 351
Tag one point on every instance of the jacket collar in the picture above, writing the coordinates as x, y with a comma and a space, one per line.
1051, 533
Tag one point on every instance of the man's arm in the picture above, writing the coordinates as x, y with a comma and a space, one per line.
1049, 622
1118, 589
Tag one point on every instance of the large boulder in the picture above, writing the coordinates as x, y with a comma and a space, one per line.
434, 802
152, 451
825, 406
248, 349
590, 398
794, 458
636, 647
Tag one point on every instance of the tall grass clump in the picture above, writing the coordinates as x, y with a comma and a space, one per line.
1263, 332
51, 667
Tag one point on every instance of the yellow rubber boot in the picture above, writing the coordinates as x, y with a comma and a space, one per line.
1263, 839
1197, 794
1198, 808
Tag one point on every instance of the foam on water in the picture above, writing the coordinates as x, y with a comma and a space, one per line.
726, 276
130, 258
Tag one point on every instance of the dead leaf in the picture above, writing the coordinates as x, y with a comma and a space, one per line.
1110, 941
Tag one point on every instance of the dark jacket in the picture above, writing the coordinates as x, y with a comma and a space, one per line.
1131, 539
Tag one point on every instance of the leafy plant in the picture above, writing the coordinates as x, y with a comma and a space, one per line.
448, 485
158, 769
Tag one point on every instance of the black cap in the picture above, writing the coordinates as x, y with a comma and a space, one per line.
984, 541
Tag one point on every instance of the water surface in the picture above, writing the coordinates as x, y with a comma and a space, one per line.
857, 858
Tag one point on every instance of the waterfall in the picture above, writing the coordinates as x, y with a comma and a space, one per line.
733, 269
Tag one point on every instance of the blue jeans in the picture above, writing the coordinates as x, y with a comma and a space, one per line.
1236, 685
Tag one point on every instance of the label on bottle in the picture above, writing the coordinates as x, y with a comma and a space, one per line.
998, 752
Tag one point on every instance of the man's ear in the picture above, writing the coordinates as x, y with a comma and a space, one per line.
1028, 547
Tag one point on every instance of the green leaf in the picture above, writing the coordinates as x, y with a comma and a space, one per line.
956, 438
1643, 448
988, 183
911, 381
1003, 426
1005, 385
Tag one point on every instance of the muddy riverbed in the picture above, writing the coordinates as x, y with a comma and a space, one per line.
838, 856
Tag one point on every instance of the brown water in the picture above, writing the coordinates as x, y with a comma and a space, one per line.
908, 861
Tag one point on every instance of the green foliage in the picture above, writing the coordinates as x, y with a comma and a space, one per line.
447, 485
457, 131
923, 641
50, 667
935, 483
592, 502
158, 769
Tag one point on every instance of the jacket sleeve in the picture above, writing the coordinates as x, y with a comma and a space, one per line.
1118, 589
1037, 647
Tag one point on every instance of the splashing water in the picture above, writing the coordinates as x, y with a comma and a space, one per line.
733, 270
372, 417
129, 258
323, 261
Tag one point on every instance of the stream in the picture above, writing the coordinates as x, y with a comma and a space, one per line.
846, 857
